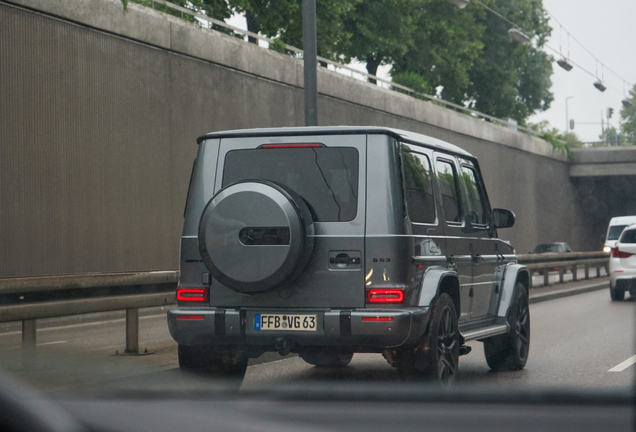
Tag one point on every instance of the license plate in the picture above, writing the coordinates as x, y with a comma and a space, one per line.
285, 322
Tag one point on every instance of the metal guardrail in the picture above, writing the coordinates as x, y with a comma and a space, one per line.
561, 262
28, 313
390, 85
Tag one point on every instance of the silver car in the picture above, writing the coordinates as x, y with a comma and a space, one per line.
336, 240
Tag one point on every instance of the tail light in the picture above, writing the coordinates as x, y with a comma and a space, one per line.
619, 254
385, 296
192, 294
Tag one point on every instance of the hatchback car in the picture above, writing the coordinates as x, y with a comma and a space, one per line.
332, 241
552, 248
622, 265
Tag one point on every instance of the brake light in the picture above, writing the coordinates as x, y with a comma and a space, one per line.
280, 146
620, 254
385, 296
192, 294
377, 318
190, 317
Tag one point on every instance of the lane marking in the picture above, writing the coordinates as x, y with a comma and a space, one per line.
624, 365
51, 343
85, 324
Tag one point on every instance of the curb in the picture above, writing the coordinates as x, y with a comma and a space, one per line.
567, 292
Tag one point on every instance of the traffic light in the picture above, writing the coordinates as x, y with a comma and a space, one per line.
610, 111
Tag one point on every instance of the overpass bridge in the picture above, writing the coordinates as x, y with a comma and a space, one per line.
606, 178
101, 108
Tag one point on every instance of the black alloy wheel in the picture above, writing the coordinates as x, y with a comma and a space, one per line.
510, 351
447, 347
437, 355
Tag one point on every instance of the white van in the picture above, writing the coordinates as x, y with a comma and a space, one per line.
615, 229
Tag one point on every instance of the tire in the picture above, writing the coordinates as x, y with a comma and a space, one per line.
617, 294
255, 235
326, 358
510, 351
206, 359
437, 355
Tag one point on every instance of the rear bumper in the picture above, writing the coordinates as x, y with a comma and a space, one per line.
624, 283
335, 328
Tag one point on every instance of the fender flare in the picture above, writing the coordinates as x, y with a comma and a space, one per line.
433, 278
511, 276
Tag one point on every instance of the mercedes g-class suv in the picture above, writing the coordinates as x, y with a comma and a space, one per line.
329, 241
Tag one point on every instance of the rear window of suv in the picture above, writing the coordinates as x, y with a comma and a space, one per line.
326, 177
628, 236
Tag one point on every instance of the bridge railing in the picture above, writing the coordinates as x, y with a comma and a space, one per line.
563, 262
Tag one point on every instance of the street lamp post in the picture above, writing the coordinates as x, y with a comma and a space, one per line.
310, 63
567, 116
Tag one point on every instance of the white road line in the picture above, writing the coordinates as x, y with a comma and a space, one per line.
52, 343
624, 365
86, 324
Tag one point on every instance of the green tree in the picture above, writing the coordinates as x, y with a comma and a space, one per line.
561, 141
283, 19
471, 56
445, 45
610, 136
628, 120
380, 31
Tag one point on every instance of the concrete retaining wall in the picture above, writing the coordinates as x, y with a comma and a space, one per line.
101, 109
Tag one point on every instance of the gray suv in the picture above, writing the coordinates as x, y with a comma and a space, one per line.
330, 241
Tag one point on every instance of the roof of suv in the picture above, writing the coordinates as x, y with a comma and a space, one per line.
399, 134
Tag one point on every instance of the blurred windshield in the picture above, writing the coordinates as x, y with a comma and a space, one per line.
101, 108
615, 231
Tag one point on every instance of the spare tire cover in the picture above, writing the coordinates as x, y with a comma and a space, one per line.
255, 235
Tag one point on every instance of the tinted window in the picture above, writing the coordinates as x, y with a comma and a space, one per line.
326, 177
447, 181
615, 231
418, 187
550, 247
474, 203
628, 236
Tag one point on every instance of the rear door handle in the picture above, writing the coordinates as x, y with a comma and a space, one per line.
344, 259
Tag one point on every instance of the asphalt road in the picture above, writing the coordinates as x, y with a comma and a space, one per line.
575, 343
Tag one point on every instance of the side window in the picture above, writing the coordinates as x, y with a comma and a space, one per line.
474, 204
418, 187
447, 181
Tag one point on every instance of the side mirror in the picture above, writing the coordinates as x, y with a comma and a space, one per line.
503, 218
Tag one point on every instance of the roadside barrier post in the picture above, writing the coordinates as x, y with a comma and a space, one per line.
132, 331
28, 343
